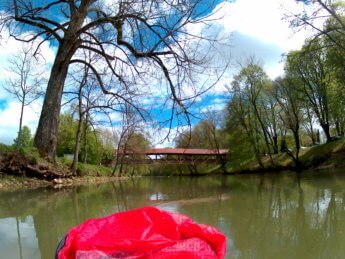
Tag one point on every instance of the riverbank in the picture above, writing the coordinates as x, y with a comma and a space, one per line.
11, 182
29, 171
325, 156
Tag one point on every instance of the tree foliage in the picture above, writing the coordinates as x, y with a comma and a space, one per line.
310, 66
203, 135
252, 93
24, 139
309, 96
98, 149
206, 134
291, 112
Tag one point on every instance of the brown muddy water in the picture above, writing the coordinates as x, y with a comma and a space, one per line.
263, 216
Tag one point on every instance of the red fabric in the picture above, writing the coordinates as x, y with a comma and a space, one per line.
143, 233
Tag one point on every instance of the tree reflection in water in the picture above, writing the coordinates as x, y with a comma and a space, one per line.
289, 219
264, 216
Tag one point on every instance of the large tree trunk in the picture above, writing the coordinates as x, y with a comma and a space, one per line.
297, 146
46, 135
264, 131
275, 144
80, 123
21, 118
85, 140
309, 127
19, 139
325, 127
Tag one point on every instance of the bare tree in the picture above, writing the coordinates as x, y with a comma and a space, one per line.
216, 135
25, 80
324, 17
130, 124
132, 37
80, 122
90, 105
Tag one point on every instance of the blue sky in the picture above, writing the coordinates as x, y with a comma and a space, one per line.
244, 27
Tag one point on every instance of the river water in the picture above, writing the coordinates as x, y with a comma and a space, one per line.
263, 216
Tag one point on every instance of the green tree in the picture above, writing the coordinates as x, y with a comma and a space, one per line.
270, 114
98, 149
337, 107
327, 21
250, 86
309, 65
66, 135
336, 60
244, 135
291, 105
24, 139
203, 135
92, 153
309, 123
336, 53
138, 141
132, 142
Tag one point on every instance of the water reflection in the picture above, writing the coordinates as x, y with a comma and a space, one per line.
271, 216
18, 238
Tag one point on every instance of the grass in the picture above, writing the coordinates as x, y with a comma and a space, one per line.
5, 148
87, 169
328, 155
32, 156
95, 170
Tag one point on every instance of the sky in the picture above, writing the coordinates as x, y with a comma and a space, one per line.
244, 27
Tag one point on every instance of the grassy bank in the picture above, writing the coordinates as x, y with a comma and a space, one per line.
328, 155
86, 169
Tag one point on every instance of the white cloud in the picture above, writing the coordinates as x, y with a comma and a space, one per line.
9, 120
254, 28
262, 20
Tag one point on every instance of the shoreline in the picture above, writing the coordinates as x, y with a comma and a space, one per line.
27, 171
18, 171
278, 170
12, 183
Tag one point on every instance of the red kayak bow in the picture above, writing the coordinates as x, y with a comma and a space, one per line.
143, 233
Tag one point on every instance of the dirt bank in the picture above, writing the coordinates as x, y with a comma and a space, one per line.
19, 171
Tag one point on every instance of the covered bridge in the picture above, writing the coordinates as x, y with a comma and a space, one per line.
173, 156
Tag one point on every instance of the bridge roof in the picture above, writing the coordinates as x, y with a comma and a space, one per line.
179, 151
